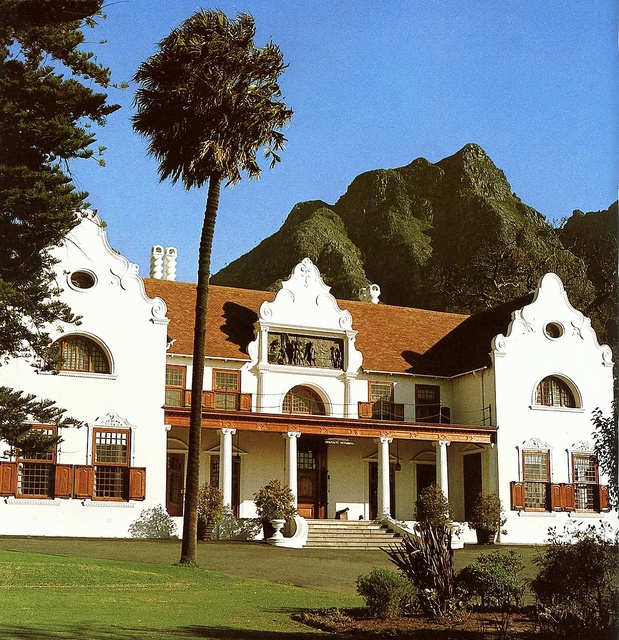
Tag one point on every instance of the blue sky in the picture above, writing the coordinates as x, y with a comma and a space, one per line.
376, 85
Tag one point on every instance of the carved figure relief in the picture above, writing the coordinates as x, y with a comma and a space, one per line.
306, 351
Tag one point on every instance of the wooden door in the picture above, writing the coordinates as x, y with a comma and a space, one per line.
373, 475
312, 477
472, 481
175, 483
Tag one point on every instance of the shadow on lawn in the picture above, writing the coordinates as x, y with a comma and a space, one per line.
177, 633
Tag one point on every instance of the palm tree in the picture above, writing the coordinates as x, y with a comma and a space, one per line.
209, 101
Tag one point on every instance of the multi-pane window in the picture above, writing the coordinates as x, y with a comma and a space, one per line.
585, 474
303, 400
78, 353
174, 386
226, 385
536, 476
35, 475
554, 392
111, 462
427, 403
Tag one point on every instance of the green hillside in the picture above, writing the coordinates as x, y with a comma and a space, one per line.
448, 236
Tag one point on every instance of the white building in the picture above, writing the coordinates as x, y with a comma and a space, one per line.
355, 405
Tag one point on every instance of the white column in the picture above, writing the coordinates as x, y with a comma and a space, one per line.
225, 464
384, 497
442, 478
291, 462
348, 411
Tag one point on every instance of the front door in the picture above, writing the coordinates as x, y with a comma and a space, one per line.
312, 477
425, 476
374, 490
175, 483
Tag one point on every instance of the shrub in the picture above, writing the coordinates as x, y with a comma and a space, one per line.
210, 503
577, 587
494, 579
487, 514
387, 594
426, 559
229, 527
153, 523
432, 508
274, 501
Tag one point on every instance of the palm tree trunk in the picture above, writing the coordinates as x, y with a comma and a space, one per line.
189, 547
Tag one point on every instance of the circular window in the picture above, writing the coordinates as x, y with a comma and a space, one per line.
553, 330
82, 280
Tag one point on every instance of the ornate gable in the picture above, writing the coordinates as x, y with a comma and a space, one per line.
304, 326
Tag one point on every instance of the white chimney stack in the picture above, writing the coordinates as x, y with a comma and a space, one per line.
169, 264
370, 294
163, 263
156, 262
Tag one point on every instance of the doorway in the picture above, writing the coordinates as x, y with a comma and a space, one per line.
472, 481
312, 477
425, 475
175, 483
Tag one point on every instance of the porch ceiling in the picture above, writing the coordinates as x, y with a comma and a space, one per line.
329, 426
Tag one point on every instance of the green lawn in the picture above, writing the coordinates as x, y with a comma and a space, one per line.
123, 589
45, 597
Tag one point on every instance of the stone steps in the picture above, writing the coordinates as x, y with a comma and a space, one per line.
348, 534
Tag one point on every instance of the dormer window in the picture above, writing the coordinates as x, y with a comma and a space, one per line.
554, 392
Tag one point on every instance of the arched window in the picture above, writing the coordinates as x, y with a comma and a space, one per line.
79, 353
303, 400
554, 392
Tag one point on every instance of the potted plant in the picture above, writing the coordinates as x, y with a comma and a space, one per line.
274, 505
432, 508
210, 507
487, 517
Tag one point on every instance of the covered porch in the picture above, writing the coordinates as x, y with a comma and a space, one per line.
335, 467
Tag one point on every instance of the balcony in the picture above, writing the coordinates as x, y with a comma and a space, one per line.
219, 400
381, 410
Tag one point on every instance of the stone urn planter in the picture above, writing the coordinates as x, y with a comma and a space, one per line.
277, 524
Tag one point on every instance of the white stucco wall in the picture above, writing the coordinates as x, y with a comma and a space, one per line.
131, 328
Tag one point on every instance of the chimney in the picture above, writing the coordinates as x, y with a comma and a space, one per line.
163, 263
156, 262
169, 264
370, 294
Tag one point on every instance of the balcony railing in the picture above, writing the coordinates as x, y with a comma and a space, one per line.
381, 410
220, 400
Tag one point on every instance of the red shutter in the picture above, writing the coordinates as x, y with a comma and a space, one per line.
137, 483
245, 401
517, 495
604, 503
63, 481
8, 478
556, 503
567, 497
208, 399
187, 398
365, 410
84, 482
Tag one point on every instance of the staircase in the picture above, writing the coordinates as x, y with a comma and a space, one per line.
349, 534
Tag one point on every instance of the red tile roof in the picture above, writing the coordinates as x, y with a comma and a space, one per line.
390, 338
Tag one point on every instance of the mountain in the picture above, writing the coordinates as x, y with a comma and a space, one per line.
447, 236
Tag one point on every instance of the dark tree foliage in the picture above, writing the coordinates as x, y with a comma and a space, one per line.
44, 117
208, 101
17, 412
606, 443
46, 103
